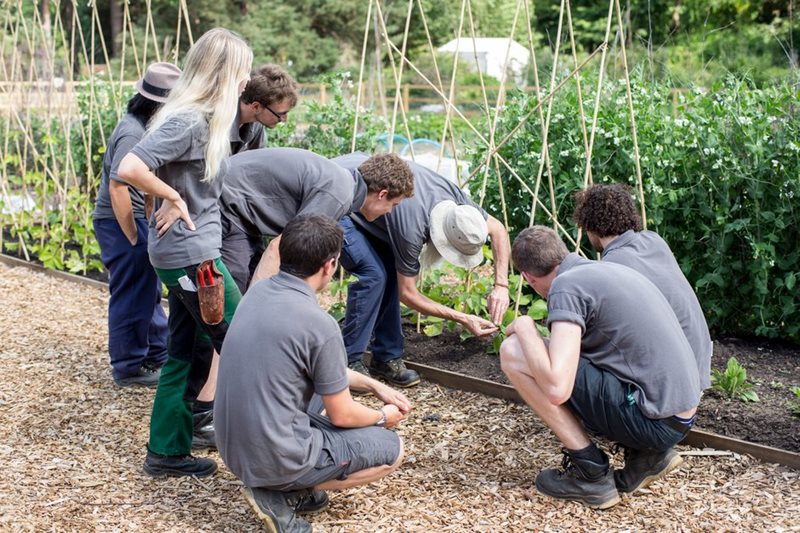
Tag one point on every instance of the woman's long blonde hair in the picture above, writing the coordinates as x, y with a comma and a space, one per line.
213, 71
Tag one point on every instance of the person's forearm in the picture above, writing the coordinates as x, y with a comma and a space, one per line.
356, 416
123, 209
501, 251
421, 303
270, 262
135, 172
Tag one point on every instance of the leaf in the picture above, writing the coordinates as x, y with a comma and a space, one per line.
433, 330
538, 310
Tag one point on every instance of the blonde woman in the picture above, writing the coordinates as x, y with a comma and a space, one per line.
177, 161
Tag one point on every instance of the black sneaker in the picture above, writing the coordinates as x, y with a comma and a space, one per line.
395, 372
587, 482
157, 465
203, 434
146, 376
316, 501
277, 510
642, 467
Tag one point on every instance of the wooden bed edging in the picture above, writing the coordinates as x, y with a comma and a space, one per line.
455, 380
696, 437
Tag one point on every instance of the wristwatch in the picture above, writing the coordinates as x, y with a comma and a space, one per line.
382, 421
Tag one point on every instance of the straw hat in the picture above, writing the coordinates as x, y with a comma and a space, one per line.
158, 81
458, 233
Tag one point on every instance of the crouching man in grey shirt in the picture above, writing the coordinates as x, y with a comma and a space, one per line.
270, 431
617, 364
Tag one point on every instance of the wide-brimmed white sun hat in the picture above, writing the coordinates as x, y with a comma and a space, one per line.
158, 81
458, 233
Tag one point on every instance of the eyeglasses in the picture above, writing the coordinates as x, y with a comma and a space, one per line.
280, 116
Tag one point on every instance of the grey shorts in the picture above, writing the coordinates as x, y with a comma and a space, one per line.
345, 451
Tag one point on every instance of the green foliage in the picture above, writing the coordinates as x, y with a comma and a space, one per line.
338, 290
794, 406
330, 126
719, 176
733, 382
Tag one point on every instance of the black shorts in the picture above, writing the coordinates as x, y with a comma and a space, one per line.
345, 451
605, 406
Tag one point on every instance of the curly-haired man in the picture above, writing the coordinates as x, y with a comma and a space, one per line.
608, 215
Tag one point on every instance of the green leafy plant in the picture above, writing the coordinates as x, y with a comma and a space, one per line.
733, 382
794, 406
338, 290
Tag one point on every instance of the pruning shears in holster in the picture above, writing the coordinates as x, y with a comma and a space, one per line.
210, 293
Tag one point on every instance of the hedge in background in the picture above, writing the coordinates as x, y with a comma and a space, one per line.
721, 173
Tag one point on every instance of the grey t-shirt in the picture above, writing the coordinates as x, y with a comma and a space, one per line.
629, 329
264, 189
275, 357
408, 227
128, 132
647, 253
245, 137
176, 153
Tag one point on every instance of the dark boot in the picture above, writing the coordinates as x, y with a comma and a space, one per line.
277, 509
157, 465
395, 372
358, 366
642, 467
316, 501
581, 480
146, 376
203, 435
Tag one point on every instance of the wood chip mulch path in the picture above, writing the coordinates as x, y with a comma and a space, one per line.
72, 447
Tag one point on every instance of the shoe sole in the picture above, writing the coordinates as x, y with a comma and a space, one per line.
598, 502
267, 520
672, 465
165, 472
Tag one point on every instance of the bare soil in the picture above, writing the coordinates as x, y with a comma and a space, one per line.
772, 367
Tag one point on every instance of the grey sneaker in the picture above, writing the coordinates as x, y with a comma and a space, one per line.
277, 510
395, 372
589, 483
314, 502
642, 467
146, 376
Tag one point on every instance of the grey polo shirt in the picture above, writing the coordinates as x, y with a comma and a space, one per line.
176, 153
264, 189
647, 253
408, 227
128, 132
245, 137
629, 329
275, 357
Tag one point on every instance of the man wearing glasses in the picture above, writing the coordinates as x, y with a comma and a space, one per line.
266, 101
264, 189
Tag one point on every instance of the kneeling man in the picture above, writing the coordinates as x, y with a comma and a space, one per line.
617, 364
283, 353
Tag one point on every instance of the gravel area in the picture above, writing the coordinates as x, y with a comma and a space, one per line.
73, 446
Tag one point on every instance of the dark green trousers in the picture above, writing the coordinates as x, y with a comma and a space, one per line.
191, 345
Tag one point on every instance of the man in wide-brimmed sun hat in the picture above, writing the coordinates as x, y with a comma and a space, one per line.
137, 325
387, 254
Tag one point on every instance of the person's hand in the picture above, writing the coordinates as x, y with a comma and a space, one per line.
134, 237
480, 327
171, 211
520, 325
498, 303
390, 396
393, 416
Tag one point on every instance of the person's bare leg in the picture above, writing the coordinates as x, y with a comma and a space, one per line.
362, 477
557, 417
209, 390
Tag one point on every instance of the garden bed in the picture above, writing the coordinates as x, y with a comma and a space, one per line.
773, 368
